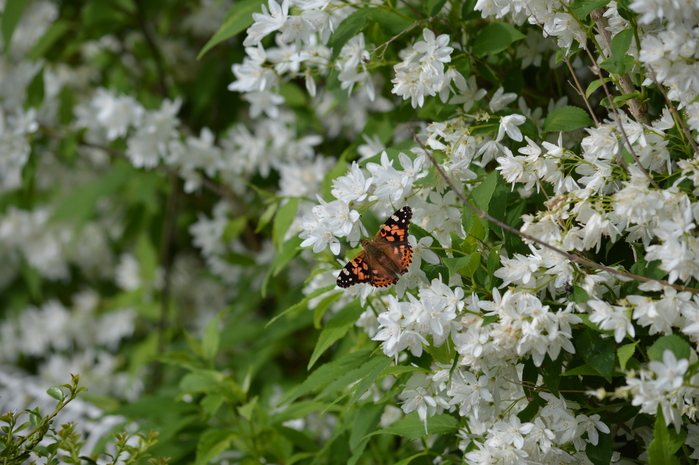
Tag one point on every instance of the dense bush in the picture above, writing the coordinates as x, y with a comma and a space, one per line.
172, 229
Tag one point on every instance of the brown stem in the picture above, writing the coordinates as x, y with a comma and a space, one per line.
638, 110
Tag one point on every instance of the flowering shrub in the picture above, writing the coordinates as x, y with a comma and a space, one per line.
172, 228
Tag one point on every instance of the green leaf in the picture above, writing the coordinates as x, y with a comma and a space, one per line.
55, 392
238, 18
434, 6
580, 295
601, 453
293, 95
289, 251
10, 18
267, 216
676, 344
211, 403
594, 85
482, 196
551, 372
597, 351
365, 421
349, 378
282, 221
665, 443
381, 363
300, 439
411, 427
35, 91
348, 28
147, 257
625, 352
50, 37
566, 118
495, 38
582, 8
234, 228
211, 444
322, 306
620, 62
621, 43
212, 336
390, 22
327, 373
336, 328
582, 370
81, 202
456, 264
302, 305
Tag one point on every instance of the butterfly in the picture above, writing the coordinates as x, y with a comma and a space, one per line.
383, 259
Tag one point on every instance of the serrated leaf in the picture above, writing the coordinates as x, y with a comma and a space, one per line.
598, 352
676, 344
621, 43
336, 328
10, 18
665, 443
238, 18
566, 118
620, 62
411, 427
348, 28
365, 422
495, 38
456, 264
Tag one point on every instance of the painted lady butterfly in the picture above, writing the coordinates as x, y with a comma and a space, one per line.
384, 258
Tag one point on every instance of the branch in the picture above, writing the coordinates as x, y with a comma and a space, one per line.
638, 110
573, 258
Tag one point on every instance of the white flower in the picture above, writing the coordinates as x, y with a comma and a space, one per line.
128, 273
352, 187
267, 21
116, 114
500, 99
508, 124
390, 183
421, 72
610, 317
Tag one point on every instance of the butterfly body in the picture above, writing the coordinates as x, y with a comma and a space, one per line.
384, 258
